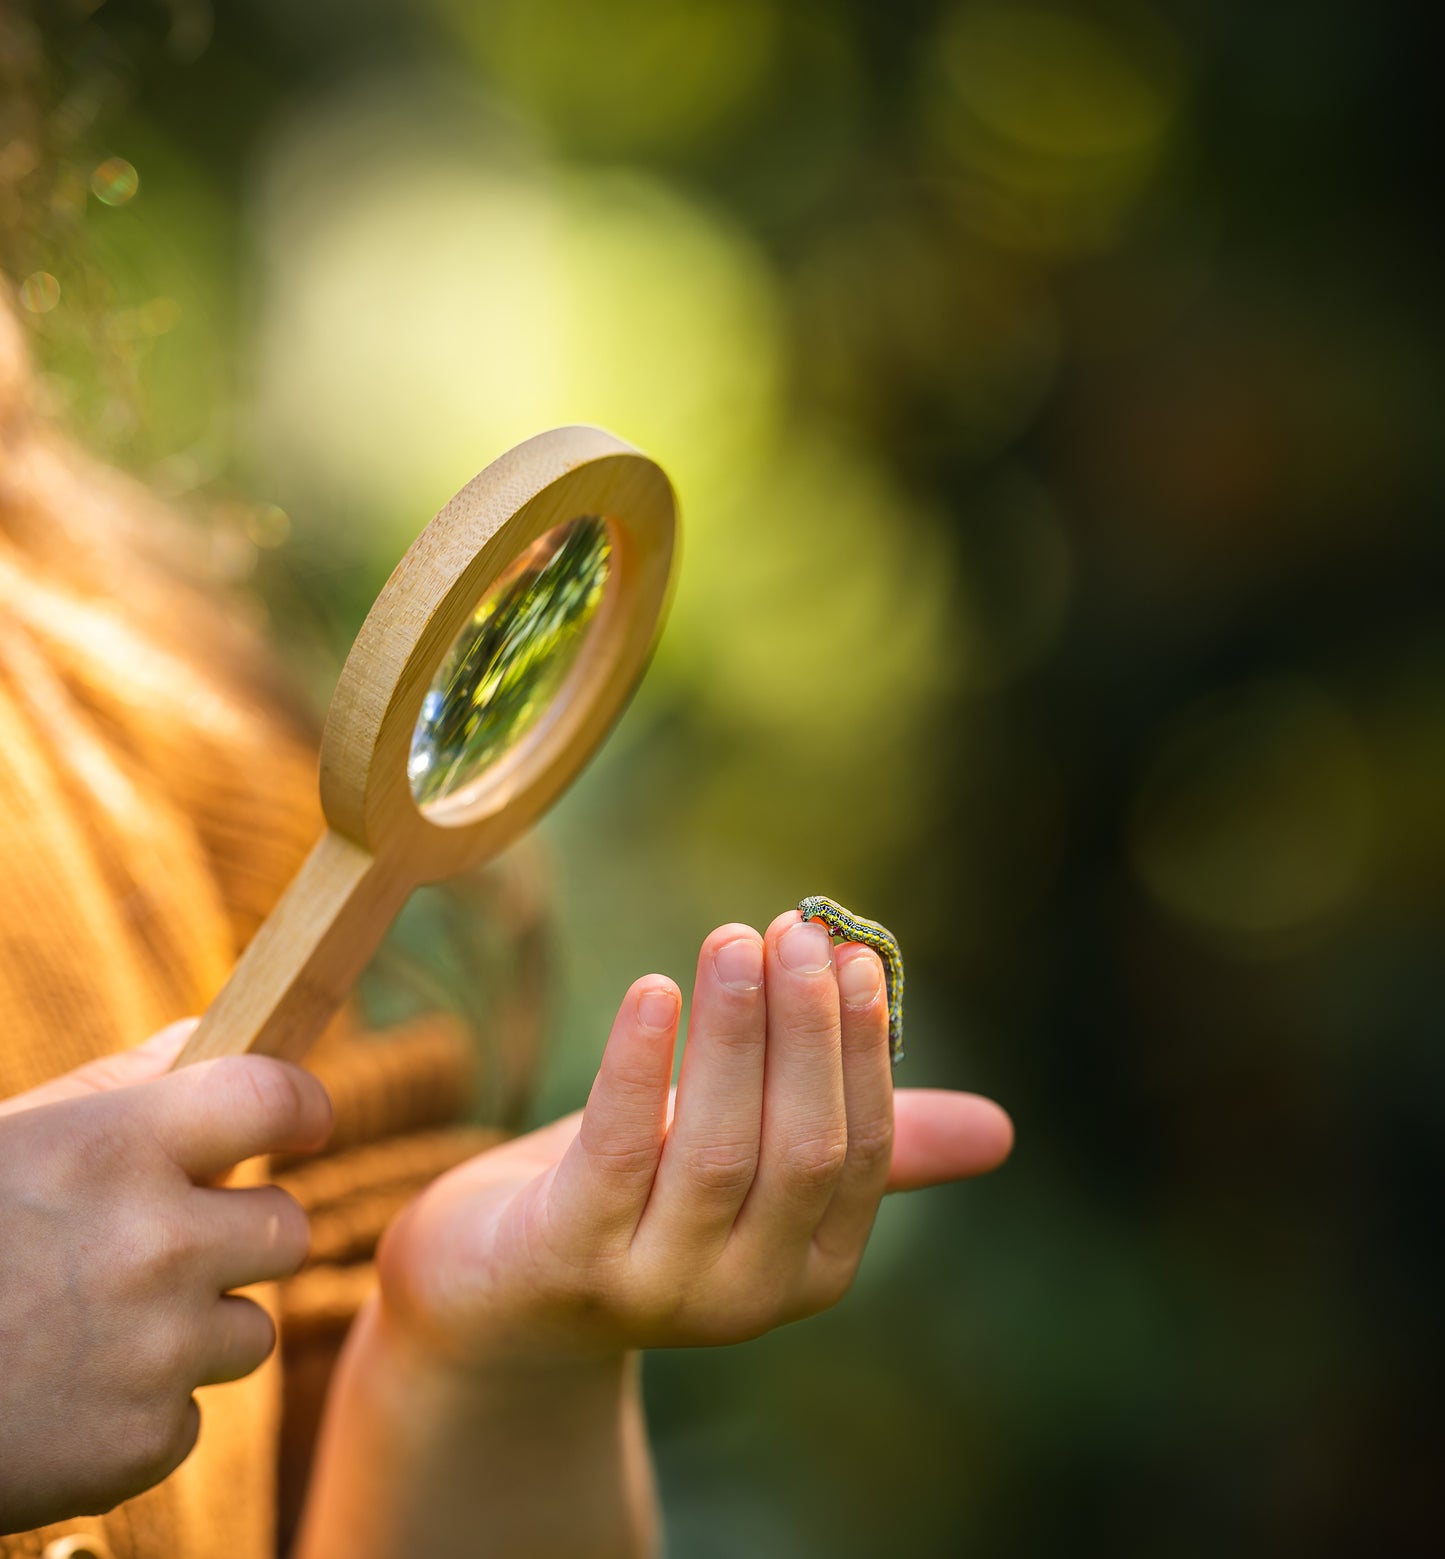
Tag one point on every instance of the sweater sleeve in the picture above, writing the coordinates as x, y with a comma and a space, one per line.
400, 1098
149, 817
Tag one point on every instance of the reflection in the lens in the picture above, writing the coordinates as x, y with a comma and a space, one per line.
510, 659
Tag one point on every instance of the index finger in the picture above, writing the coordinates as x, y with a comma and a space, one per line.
215, 1114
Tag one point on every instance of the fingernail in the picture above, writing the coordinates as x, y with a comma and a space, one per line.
858, 979
657, 1009
740, 964
806, 948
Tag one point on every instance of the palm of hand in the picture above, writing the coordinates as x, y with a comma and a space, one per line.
746, 1202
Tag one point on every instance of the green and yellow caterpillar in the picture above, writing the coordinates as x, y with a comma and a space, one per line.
853, 928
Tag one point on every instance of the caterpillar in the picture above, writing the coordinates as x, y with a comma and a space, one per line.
853, 928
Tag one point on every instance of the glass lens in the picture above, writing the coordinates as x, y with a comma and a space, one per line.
508, 662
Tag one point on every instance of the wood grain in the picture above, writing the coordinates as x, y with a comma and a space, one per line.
379, 844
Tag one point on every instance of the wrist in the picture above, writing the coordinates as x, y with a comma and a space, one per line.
433, 1382
420, 1453
431, 1413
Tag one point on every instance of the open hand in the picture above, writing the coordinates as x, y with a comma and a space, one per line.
637, 1224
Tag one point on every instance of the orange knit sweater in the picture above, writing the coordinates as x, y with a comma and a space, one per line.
154, 800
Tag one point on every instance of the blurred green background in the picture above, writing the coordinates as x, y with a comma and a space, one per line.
1075, 364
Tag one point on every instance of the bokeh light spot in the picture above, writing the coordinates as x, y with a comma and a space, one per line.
1053, 82
1055, 118
533, 298
630, 74
114, 182
39, 292
269, 526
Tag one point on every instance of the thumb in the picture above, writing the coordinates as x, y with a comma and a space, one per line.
145, 1061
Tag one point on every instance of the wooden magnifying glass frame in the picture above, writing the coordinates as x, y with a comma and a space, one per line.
380, 843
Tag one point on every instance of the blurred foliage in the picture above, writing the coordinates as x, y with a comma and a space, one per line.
1072, 364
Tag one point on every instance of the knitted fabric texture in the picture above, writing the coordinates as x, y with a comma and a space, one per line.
152, 806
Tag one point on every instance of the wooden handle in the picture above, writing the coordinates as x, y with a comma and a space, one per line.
298, 968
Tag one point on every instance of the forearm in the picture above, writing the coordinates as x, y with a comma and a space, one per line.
419, 1458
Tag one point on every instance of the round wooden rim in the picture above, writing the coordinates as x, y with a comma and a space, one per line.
555, 477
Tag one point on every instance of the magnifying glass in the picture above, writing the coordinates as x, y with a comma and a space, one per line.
490, 668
